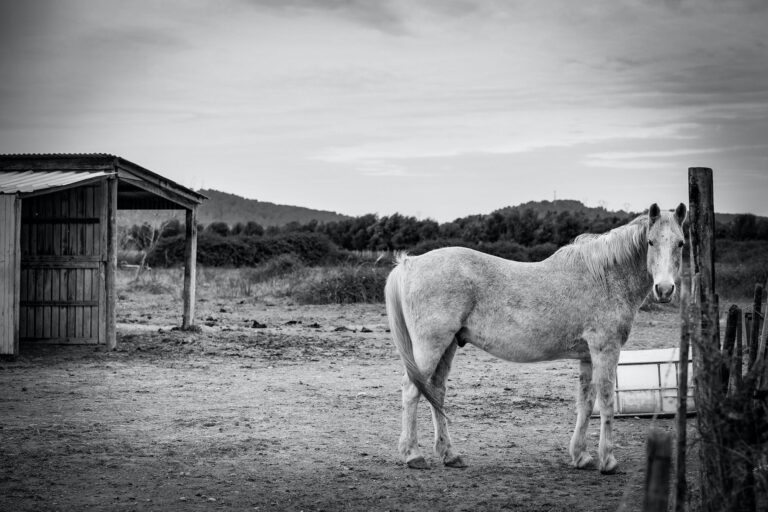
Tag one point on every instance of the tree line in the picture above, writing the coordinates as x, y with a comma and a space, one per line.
523, 234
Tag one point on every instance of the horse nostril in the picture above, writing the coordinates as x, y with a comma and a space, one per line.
664, 291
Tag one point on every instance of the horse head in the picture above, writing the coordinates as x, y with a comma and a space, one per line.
665, 249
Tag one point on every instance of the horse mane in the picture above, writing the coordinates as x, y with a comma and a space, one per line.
620, 246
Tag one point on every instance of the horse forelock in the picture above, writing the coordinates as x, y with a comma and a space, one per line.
623, 245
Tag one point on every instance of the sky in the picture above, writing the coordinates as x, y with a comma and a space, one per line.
432, 108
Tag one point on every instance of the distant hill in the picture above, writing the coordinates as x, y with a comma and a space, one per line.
231, 208
542, 208
573, 206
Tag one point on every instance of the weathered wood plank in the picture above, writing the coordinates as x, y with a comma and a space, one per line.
160, 189
111, 264
10, 217
61, 220
61, 262
59, 303
61, 341
103, 203
17, 276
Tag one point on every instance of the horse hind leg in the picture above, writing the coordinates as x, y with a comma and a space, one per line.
585, 401
443, 444
409, 442
428, 353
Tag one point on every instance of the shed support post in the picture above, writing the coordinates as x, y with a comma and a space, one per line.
111, 266
190, 269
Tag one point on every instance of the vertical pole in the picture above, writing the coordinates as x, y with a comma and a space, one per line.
734, 386
702, 222
706, 345
755, 325
681, 489
734, 317
190, 269
760, 358
658, 465
111, 270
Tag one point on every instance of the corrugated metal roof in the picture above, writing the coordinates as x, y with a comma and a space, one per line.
65, 169
13, 182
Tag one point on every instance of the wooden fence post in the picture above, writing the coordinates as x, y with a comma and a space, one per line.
760, 358
734, 315
754, 334
737, 361
681, 488
657, 471
705, 342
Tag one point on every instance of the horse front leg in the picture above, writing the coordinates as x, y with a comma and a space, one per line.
585, 402
604, 373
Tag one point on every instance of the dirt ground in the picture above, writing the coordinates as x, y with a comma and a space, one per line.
284, 407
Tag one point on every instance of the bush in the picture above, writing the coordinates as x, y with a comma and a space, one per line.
738, 281
279, 266
240, 251
739, 265
342, 285
430, 245
542, 251
507, 249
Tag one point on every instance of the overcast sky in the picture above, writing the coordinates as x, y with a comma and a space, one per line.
433, 108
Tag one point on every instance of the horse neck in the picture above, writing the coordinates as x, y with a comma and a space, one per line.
632, 280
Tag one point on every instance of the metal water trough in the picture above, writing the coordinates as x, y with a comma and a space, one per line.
646, 383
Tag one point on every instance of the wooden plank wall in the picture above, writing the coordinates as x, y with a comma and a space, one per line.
9, 269
61, 258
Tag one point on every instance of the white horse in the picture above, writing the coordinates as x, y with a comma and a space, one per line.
577, 304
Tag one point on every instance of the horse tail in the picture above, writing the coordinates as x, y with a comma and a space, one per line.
400, 334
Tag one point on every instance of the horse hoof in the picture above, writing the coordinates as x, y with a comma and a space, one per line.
610, 467
417, 463
584, 461
455, 462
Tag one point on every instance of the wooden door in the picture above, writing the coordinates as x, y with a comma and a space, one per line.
63, 254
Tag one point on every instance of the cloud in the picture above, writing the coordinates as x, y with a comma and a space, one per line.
657, 159
380, 14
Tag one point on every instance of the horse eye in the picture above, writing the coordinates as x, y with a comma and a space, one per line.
650, 242
680, 244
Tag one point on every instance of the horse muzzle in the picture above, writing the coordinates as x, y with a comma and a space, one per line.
663, 292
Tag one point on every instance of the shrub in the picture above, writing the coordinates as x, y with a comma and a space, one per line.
342, 285
239, 251
542, 251
279, 266
507, 249
739, 265
429, 245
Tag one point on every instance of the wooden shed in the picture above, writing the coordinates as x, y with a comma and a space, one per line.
58, 244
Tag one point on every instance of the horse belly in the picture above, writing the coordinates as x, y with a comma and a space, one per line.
528, 345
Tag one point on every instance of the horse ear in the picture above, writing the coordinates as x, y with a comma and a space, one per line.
654, 213
680, 213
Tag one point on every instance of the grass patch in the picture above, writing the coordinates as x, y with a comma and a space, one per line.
151, 282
